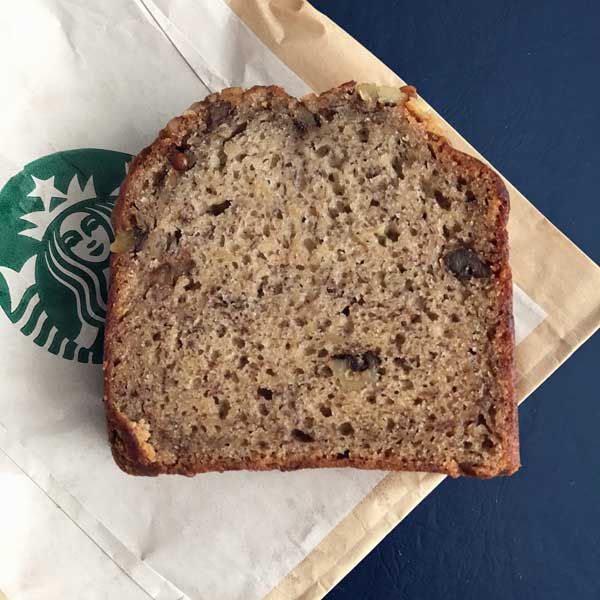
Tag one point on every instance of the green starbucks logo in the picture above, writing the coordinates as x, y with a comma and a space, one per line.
55, 237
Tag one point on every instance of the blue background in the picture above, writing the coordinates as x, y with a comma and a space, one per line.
521, 81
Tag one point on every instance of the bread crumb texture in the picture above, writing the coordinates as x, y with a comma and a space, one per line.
310, 283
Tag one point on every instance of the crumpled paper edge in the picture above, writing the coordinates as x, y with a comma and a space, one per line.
324, 56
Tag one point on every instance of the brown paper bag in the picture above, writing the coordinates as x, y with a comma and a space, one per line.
550, 269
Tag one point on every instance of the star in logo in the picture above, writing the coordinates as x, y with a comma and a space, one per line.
45, 190
38, 220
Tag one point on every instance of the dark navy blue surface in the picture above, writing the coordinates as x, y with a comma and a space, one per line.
521, 81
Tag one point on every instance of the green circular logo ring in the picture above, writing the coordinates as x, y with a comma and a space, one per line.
55, 237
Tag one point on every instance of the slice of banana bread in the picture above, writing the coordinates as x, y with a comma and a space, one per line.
310, 283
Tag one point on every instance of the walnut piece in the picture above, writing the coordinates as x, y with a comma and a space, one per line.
124, 242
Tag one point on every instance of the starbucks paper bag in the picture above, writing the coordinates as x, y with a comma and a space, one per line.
90, 85
109, 75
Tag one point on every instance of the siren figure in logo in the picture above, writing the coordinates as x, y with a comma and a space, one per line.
55, 249
59, 294
74, 268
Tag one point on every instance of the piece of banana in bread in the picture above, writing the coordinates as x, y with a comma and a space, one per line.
310, 283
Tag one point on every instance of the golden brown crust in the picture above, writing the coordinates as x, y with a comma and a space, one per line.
130, 450
507, 424
130, 460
